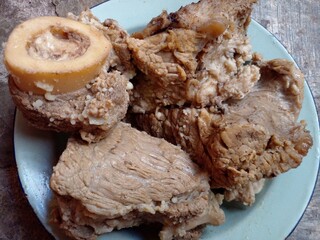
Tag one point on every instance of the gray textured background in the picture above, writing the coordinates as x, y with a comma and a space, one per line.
295, 23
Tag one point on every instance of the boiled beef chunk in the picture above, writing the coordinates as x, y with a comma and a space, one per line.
94, 109
242, 140
128, 179
197, 56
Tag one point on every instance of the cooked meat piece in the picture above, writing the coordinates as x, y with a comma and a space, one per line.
242, 141
198, 56
120, 56
245, 194
128, 179
203, 13
156, 25
94, 109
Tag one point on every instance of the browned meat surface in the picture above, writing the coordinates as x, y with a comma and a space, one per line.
128, 179
198, 56
242, 140
120, 58
92, 110
245, 194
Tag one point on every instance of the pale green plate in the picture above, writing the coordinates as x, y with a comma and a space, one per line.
278, 208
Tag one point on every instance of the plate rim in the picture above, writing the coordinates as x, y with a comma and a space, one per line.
306, 84
317, 120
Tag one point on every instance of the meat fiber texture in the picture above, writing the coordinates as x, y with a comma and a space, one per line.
94, 109
128, 179
243, 140
234, 113
182, 63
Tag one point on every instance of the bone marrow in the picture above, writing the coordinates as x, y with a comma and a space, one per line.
70, 74
54, 54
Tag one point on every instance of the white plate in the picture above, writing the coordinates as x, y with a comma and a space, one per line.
277, 209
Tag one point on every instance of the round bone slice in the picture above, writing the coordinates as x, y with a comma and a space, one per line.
31, 59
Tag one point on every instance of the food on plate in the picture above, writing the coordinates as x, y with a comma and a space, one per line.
128, 179
70, 74
246, 139
195, 83
234, 113
199, 56
54, 54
